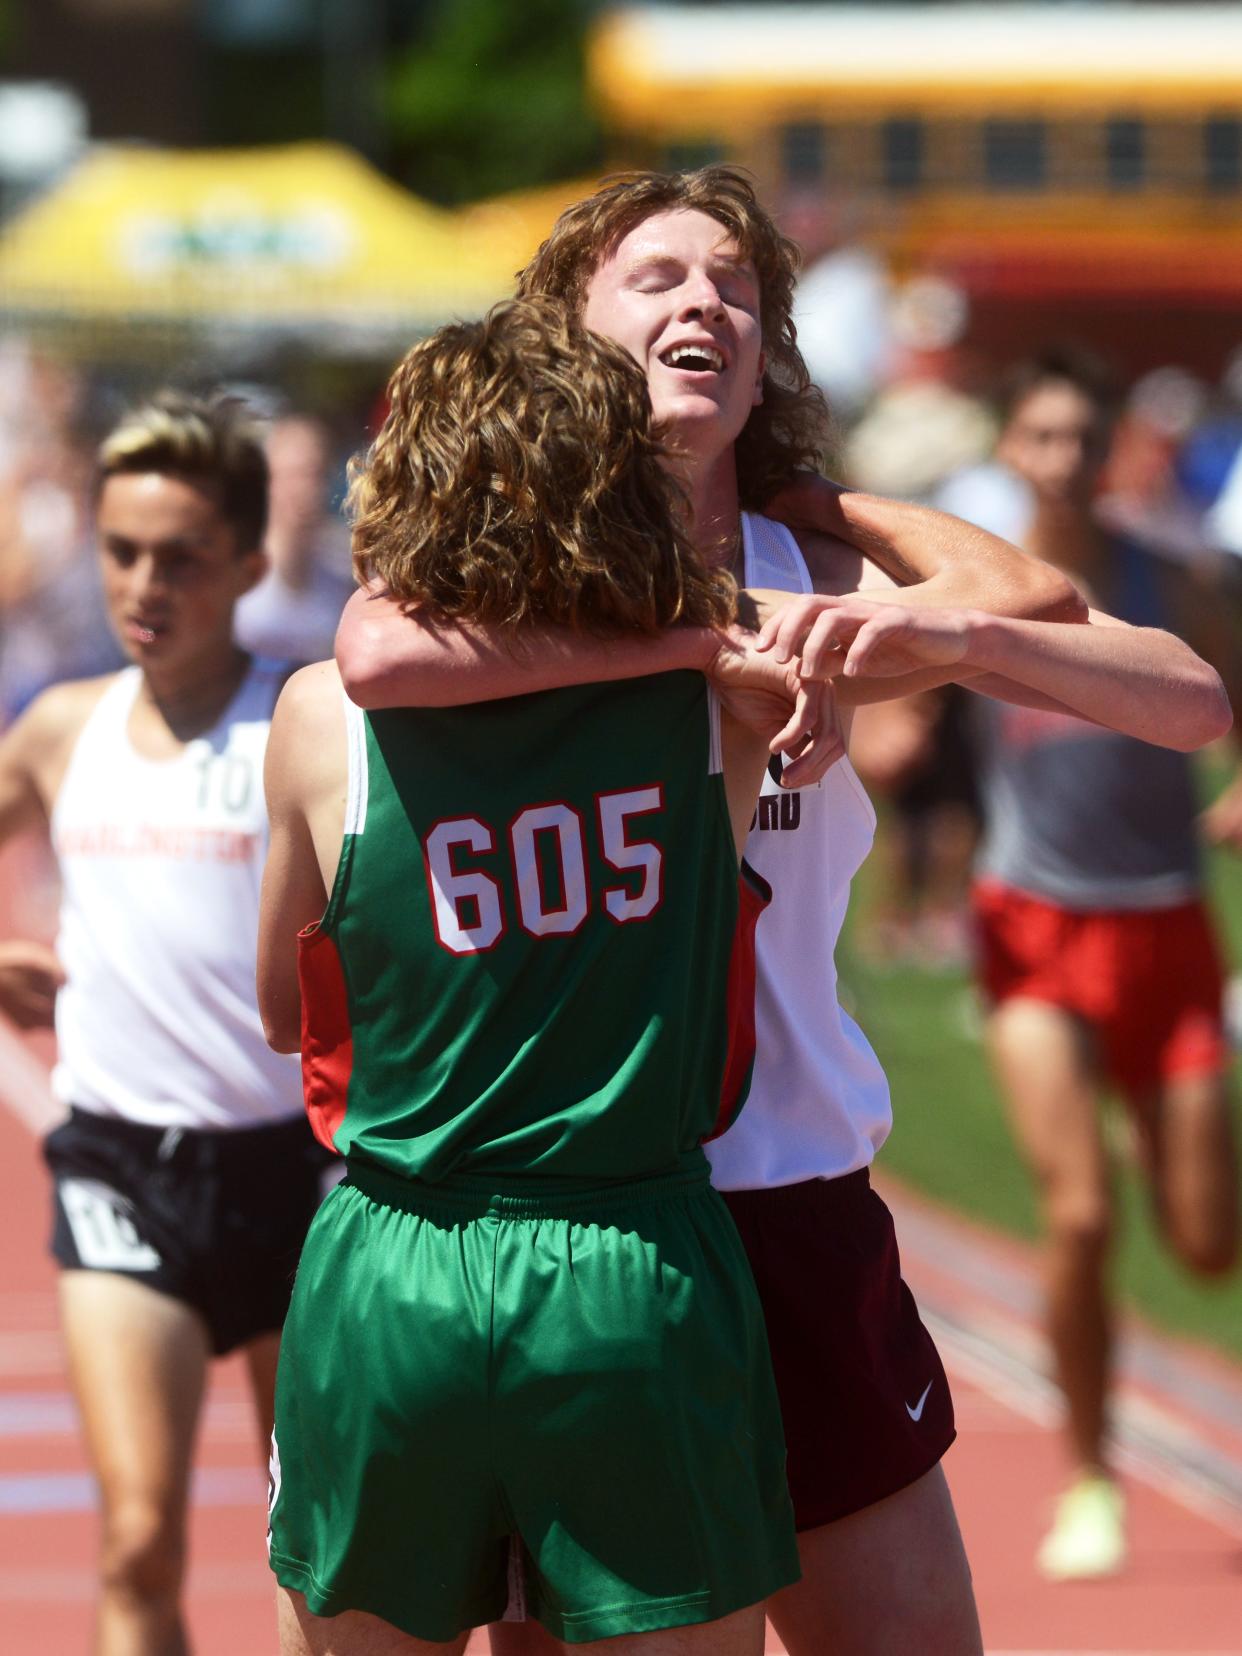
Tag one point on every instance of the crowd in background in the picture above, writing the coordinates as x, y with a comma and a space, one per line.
52, 623
919, 418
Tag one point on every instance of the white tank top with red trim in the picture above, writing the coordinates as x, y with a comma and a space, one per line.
819, 1102
160, 864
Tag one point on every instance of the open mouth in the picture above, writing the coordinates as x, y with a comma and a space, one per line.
693, 359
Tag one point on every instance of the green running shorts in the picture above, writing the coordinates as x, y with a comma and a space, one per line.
587, 1374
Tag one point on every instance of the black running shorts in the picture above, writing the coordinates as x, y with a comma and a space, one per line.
214, 1219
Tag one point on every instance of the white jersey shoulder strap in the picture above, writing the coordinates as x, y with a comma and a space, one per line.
715, 749
356, 745
772, 557
93, 748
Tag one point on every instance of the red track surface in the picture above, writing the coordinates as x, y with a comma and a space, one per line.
1181, 1427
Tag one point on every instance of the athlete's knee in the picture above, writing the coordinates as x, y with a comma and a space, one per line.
947, 1621
1201, 1228
1207, 1250
143, 1554
939, 1599
1079, 1221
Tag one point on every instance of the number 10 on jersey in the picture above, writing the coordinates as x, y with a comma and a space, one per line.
470, 907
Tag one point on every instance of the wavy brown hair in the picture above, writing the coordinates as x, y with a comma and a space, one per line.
517, 479
790, 429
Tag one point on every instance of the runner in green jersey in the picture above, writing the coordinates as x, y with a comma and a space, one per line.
524, 1319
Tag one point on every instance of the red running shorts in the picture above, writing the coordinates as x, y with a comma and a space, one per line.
1148, 983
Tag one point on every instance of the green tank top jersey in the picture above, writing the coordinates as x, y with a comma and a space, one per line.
523, 969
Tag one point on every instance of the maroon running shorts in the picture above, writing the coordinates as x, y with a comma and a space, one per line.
863, 1392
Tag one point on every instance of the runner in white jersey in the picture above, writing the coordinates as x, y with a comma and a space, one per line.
185, 1175
689, 273
155, 855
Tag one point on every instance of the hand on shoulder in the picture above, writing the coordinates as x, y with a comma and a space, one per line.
769, 698
830, 637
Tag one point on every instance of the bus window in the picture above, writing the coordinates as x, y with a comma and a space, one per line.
1222, 152
803, 152
1014, 154
901, 153
1125, 152
689, 153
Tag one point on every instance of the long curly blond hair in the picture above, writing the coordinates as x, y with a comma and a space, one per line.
791, 429
517, 479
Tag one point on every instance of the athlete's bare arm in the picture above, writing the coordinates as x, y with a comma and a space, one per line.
306, 776
393, 657
33, 757
1209, 625
1136, 680
389, 658
936, 560
745, 754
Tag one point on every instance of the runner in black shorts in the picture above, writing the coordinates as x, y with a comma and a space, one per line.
186, 1174
215, 1220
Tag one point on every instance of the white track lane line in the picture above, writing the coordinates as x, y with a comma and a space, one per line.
1005, 1376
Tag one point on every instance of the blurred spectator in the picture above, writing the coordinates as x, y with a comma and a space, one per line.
52, 620
920, 428
1223, 517
1158, 482
916, 753
990, 495
292, 614
841, 309
915, 434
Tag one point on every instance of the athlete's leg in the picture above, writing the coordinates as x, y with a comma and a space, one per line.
353, 1633
1187, 1129
1043, 1062
740, 1634
137, 1361
302, 1634
892, 1577
261, 1358
524, 1638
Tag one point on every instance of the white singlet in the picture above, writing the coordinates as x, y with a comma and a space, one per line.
160, 863
819, 1103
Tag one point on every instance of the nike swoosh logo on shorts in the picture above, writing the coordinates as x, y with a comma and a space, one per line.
916, 1413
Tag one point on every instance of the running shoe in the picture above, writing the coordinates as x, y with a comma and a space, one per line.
1088, 1534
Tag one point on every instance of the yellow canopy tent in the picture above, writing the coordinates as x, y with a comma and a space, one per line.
500, 235
300, 238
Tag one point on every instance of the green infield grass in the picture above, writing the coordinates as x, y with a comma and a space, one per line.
950, 1140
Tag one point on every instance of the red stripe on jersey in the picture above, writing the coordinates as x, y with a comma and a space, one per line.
753, 896
327, 1035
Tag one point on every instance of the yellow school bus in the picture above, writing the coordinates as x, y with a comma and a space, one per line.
1084, 154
